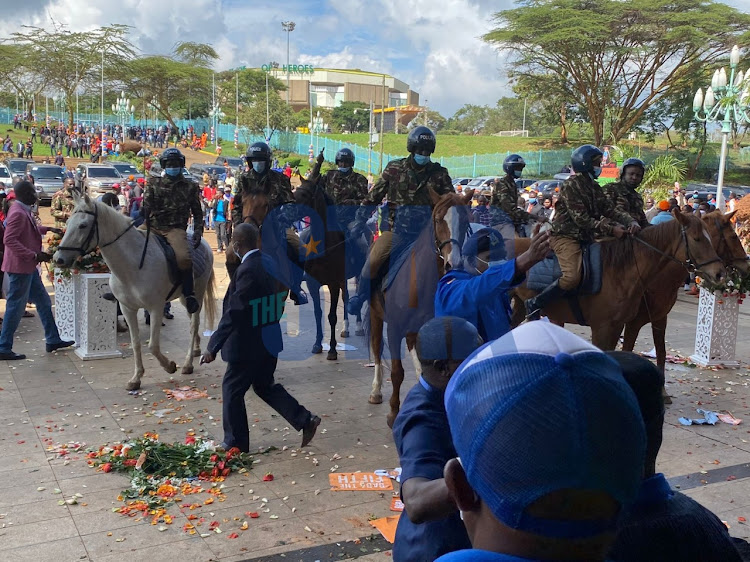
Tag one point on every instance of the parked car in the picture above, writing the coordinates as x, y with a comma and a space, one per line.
17, 167
463, 182
523, 183
480, 183
233, 161
197, 170
48, 180
126, 169
96, 179
706, 190
5, 176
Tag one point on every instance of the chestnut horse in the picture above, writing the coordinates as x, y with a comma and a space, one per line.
661, 292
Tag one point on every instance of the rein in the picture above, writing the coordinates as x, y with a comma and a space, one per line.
689, 264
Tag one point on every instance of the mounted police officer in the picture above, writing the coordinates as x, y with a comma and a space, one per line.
168, 203
623, 194
504, 200
582, 213
260, 178
405, 183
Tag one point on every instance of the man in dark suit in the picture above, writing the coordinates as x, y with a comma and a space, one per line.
249, 338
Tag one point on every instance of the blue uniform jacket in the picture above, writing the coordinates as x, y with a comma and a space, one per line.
479, 299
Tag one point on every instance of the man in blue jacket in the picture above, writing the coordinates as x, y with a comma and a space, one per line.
249, 337
482, 299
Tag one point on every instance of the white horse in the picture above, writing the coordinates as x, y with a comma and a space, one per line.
95, 224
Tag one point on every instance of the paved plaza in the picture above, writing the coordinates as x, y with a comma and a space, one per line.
53, 399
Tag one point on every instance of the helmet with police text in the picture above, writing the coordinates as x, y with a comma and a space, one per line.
583, 158
632, 162
258, 151
420, 139
512, 163
171, 158
344, 157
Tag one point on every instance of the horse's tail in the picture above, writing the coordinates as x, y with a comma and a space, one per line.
209, 301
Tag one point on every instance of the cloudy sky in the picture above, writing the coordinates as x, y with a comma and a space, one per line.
432, 45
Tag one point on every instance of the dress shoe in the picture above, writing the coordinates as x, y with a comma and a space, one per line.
59, 345
109, 297
308, 432
298, 298
354, 306
11, 356
169, 316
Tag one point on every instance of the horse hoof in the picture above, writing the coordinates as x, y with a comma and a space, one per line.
196, 353
133, 385
344, 333
332, 355
171, 368
375, 399
317, 349
359, 332
390, 419
187, 370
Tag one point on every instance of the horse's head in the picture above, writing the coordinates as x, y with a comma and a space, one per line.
450, 219
697, 249
726, 242
81, 231
255, 208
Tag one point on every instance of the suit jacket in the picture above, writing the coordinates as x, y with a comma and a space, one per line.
23, 239
249, 326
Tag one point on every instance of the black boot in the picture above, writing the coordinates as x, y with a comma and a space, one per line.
535, 304
191, 303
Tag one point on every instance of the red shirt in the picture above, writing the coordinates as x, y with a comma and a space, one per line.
209, 192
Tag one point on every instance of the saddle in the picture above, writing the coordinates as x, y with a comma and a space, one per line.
546, 271
199, 257
399, 254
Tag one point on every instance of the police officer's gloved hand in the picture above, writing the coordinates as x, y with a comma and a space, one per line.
196, 240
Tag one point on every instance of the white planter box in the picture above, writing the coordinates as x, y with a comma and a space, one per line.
65, 305
96, 318
716, 330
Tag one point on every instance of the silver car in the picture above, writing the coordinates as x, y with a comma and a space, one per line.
48, 180
97, 179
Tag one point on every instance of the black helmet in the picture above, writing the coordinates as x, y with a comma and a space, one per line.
513, 162
345, 156
258, 151
171, 155
583, 157
632, 162
420, 138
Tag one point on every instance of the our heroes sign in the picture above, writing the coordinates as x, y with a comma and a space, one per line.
292, 68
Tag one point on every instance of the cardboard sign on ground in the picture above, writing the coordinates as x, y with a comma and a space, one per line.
359, 482
387, 527
396, 504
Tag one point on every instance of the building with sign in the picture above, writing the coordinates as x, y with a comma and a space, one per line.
328, 87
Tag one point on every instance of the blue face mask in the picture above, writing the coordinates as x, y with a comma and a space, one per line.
172, 172
345, 170
597, 171
696, 206
421, 160
532, 199
259, 167
517, 173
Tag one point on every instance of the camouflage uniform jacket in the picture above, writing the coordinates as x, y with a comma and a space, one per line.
62, 207
347, 191
274, 184
584, 211
505, 198
627, 200
168, 203
407, 191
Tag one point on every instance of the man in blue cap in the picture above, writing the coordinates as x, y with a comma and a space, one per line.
540, 474
430, 526
482, 299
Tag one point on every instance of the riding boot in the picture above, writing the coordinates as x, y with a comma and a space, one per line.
534, 305
191, 303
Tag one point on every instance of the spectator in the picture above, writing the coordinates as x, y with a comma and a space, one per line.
663, 524
651, 210
430, 525
482, 299
541, 480
59, 160
533, 202
731, 202
544, 211
663, 215
672, 204
481, 213
23, 250
220, 220
687, 209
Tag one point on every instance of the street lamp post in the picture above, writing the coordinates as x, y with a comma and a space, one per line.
287, 26
725, 102
122, 109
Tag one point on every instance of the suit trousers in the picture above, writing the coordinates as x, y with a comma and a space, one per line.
238, 379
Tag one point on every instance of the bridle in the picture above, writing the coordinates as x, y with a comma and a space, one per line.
722, 242
690, 263
93, 232
440, 244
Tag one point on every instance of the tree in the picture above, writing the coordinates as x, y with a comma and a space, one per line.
351, 116
280, 114
469, 119
252, 89
68, 60
20, 69
617, 56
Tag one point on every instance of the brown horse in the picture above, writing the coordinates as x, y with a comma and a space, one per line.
661, 291
628, 266
409, 301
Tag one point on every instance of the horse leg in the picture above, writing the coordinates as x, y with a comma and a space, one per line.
397, 378
314, 289
153, 345
411, 345
131, 317
187, 366
332, 318
659, 333
605, 337
358, 330
376, 348
345, 299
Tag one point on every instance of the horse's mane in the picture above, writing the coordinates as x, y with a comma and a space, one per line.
620, 254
